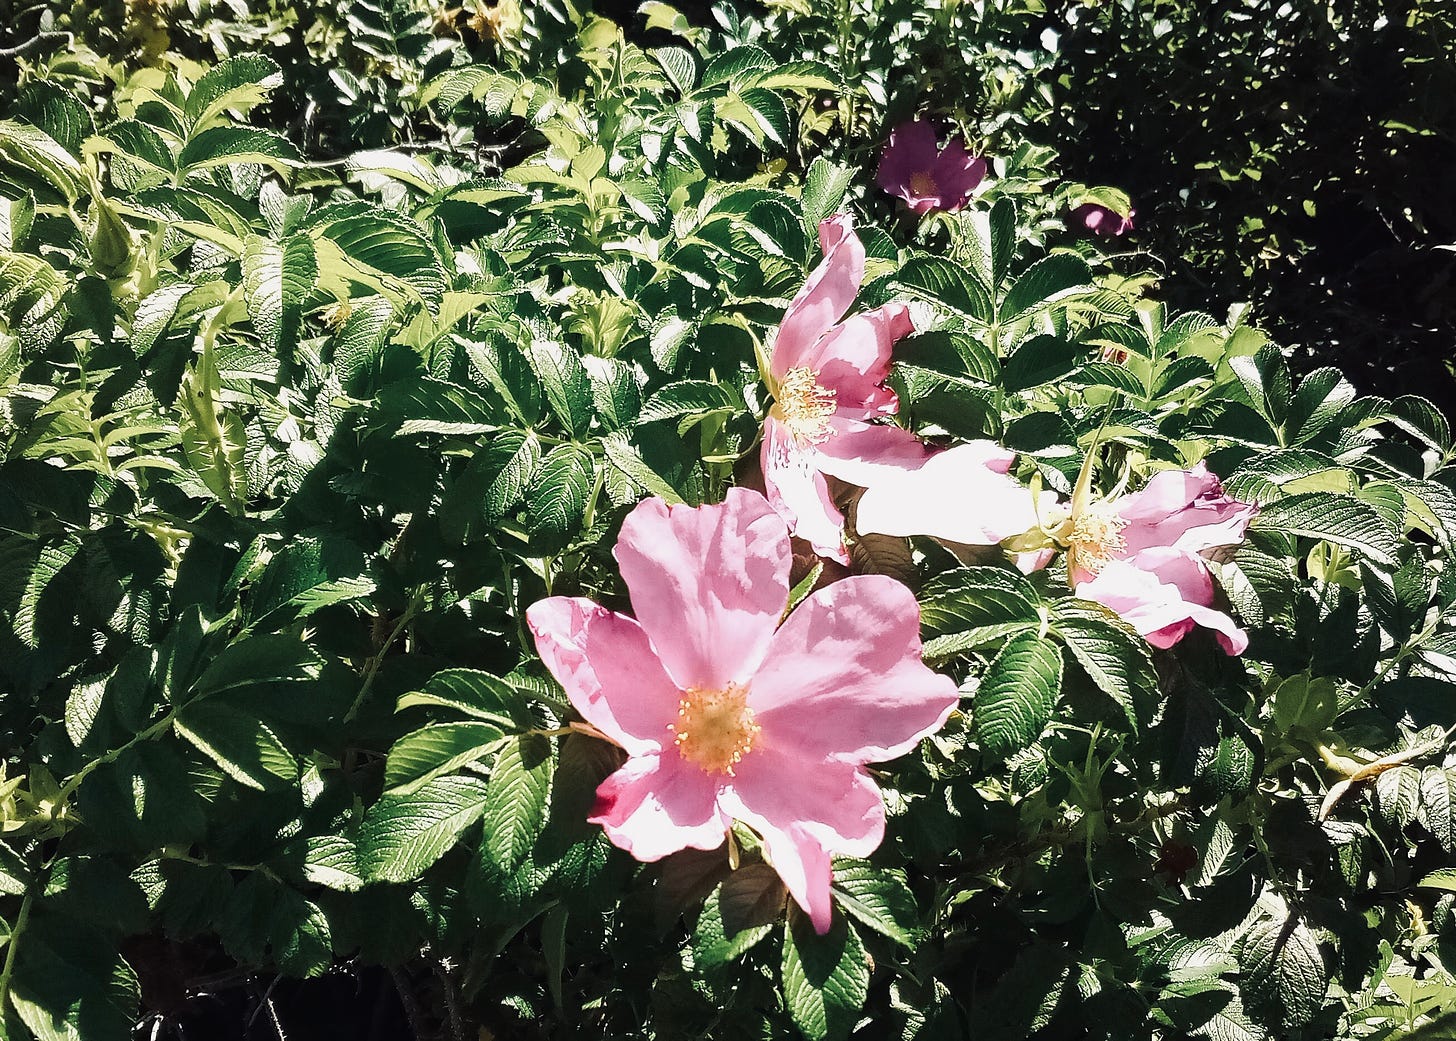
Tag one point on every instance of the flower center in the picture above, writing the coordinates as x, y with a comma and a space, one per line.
805, 406
715, 728
1096, 537
922, 183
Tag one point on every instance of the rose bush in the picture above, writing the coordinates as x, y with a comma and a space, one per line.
385, 578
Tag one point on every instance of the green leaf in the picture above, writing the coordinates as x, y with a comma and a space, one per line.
1332, 518
493, 483
476, 694
1110, 651
239, 84
942, 282
799, 76
1438, 806
222, 146
402, 835
331, 861
258, 660
299, 937
625, 457
304, 576
949, 353
1049, 281
437, 748
1284, 973
565, 381
36, 152
736, 63
1014, 702
878, 897
278, 278
1441, 878
430, 406
245, 749
970, 607
824, 186
558, 496
516, 799
826, 978
738, 914
70, 982
1041, 360
690, 398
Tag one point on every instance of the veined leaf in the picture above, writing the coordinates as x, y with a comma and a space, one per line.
826, 978
1014, 702
245, 749
402, 835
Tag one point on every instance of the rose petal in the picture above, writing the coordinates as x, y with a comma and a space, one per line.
707, 584
853, 360
1185, 509
654, 806
958, 174
609, 670
844, 678
1164, 598
798, 491
863, 453
962, 495
911, 149
827, 294
806, 811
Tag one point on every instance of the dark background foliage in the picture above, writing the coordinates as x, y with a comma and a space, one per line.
1295, 155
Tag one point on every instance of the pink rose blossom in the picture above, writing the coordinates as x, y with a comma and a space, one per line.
827, 377
925, 176
727, 715
1143, 555
1100, 220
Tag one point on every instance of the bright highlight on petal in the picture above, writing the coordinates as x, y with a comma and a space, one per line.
780, 745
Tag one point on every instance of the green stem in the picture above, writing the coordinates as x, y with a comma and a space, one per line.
371, 671
116, 753
13, 944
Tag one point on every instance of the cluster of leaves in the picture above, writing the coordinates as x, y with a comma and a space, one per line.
287, 448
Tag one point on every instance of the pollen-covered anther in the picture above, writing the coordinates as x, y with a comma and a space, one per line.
804, 405
923, 184
1096, 537
715, 728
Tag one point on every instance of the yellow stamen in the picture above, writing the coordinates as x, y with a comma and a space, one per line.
1096, 538
923, 184
715, 728
804, 405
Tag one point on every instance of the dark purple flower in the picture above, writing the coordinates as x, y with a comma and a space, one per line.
924, 175
1100, 220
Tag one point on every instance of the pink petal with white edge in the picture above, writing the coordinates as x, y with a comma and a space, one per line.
609, 670
853, 360
798, 491
844, 678
865, 453
805, 811
962, 495
827, 294
1184, 509
654, 806
707, 584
